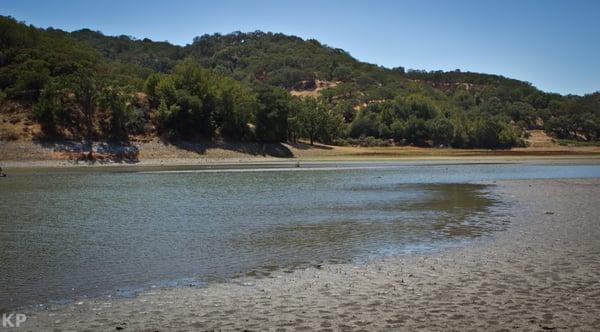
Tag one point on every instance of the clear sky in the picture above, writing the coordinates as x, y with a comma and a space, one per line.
553, 44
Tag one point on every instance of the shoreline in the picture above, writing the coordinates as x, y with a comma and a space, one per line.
256, 163
28, 154
540, 273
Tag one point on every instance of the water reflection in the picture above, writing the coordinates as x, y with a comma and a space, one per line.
407, 215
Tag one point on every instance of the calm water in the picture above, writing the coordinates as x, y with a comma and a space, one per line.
67, 235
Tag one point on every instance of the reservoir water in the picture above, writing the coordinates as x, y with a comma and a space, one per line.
66, 235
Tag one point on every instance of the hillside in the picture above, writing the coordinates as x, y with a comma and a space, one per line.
260, 86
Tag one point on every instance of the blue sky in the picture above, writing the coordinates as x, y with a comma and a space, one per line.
553, 44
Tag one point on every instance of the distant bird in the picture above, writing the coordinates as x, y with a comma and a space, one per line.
2, 174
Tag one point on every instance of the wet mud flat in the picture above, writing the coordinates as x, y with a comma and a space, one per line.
541, 273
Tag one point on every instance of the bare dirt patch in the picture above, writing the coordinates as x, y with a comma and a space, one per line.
319, 85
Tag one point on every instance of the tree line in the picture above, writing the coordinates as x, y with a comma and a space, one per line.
84, 85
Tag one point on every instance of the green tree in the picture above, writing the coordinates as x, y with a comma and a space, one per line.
442, 131
332, 126
238, 104
47, 111
398, 130
115, 103
272, 114
150, 87
416, 130
420, 106
365, 124
309, 118
86, 89
32, 77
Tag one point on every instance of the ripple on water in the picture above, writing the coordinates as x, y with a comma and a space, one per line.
73, 234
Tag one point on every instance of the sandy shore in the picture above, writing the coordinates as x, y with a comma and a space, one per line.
261, 162
29, 154
540, 274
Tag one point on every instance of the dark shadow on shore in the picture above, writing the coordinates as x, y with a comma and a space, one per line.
305, 146
251, 148
94, 152
128, 152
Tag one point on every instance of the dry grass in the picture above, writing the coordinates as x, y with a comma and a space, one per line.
16, 124
316, 92
539, 139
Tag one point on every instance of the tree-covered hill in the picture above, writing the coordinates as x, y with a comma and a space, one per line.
85, 85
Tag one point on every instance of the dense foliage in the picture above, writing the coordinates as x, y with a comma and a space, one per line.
84, 85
